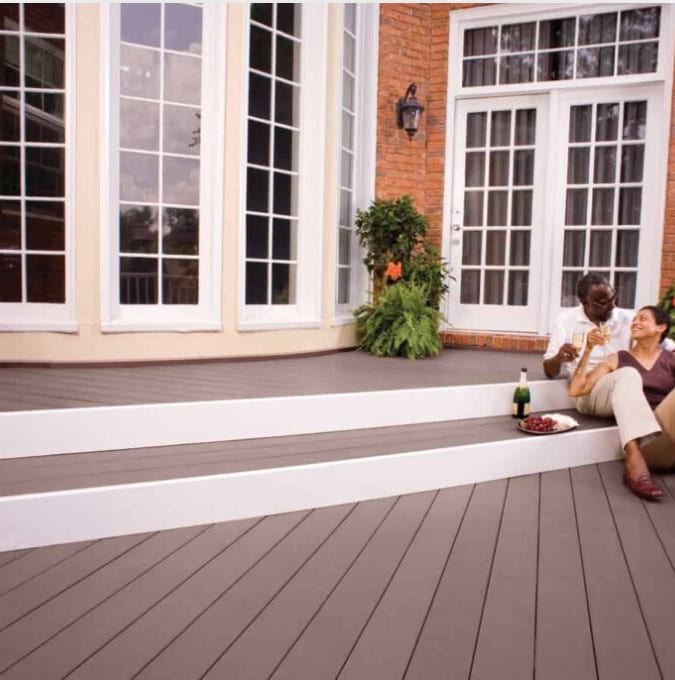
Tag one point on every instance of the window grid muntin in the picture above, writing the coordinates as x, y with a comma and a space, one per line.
22, 144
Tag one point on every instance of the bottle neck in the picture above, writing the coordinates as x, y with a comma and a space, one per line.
523, 379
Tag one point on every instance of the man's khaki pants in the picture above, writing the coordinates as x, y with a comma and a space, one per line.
620, 394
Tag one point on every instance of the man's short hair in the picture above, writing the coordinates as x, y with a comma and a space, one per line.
587, 282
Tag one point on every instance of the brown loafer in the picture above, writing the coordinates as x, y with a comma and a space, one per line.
643, 487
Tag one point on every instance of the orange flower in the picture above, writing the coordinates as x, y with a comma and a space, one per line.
394, 271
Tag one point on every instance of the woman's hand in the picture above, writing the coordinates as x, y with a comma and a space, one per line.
595, 338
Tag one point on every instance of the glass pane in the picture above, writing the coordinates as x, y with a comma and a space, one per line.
257, 241
603, 206
259, 96
637, 58
140, 23
518, 68
260, 49
630, 205
257, 190
45, 171
349, 54
288, 18
477, 72
347, 130
44, 117
518, 37
523, 167
182, 79
521, 208
345, 208
180, 231
288, 59
344, 247
182, 130
479, 41
601, 249
10, 278
10, 182
474, 169
626, 283
557, 33
518, 285
476, 127
46, 278
256, 283
580, 123
526, 126
139, 72
597, 28
607, 123
640, 24
574, 249
45, 58
45, 225
346, 176
577, 165
283, 284
497, 208
284, 240
495, 248
348, 84
555, 65
258, 143
568, 296
180, 181
10, 125
262, 12
494, 288
576, 204
500, 134
605, 165
138, 280
470, 287
139, 228
473, 208
344, 285
183, 28
594, 62
285, 194
287, 103
9, 49
499, 168
627, 247
632, 162
634, 120
286, 145
471, 247
9, 16
180, 282
139, 125
519, 255
350, 16
10, 225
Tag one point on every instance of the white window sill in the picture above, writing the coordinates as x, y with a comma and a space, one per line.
246, 326
40, 327
160, 327
344, 320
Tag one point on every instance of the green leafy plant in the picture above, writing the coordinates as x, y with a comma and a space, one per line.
426, 268
668, 304
401, 323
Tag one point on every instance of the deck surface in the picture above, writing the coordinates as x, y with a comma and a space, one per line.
27, 388
553, 576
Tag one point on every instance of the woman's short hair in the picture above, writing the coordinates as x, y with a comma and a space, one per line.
661, 317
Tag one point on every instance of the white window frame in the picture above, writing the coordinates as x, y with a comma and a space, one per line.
306, 312
40, 316
207, 315
650, 241
365, 135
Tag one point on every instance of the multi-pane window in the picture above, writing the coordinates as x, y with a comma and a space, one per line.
160, 118
585, 46
605, 174
32, 153
498, 193
272, 169
346, 240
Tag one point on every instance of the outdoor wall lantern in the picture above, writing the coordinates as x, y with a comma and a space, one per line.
409, 111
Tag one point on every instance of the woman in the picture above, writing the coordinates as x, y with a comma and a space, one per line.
656, 369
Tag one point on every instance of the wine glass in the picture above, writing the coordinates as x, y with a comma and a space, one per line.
607, 335
578, 341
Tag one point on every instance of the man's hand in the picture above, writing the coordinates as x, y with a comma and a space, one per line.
568, 352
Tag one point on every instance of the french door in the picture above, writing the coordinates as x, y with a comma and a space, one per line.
497, 225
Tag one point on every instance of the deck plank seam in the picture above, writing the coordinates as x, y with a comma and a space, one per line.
334, 588
283, 537
630, 573
658, 535
536, 584
489, 578
26, 552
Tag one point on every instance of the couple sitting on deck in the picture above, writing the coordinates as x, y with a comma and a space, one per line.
618, 363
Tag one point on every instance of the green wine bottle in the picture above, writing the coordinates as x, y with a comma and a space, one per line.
521, 397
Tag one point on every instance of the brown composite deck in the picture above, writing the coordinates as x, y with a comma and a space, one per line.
554, 576
26, 388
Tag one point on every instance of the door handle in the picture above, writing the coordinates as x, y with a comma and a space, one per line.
456, 227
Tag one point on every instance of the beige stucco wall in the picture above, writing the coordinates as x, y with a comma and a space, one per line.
89, 343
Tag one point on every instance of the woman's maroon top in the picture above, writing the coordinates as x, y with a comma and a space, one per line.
659, 380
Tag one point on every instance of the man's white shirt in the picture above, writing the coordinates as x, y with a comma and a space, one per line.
575, 321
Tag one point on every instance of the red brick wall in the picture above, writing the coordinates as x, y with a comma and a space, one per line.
668, 254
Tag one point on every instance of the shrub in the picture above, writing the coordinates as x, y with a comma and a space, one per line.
668, 304
425, 268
